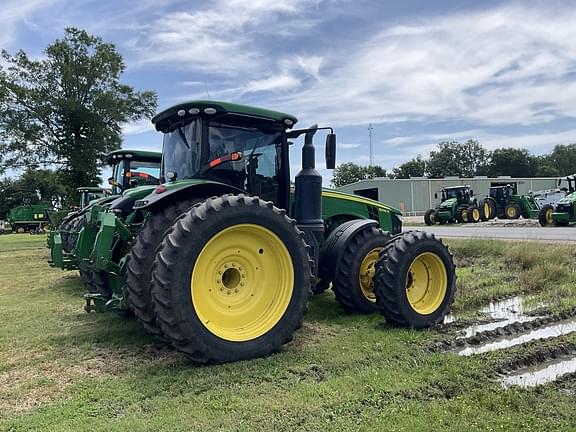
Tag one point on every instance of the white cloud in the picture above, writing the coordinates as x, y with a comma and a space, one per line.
15, 12
137, 127
272, 84
503, 66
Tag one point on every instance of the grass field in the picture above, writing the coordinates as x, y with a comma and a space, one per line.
62, 369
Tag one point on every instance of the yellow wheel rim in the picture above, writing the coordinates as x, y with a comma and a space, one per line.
465, 215
426, 283
366, 275
476, 215
242, 282
511, 212
549, 218
486, 210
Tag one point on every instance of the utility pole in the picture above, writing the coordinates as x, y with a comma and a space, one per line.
370, 129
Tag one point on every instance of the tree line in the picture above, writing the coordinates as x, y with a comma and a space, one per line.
63, 112
469, 159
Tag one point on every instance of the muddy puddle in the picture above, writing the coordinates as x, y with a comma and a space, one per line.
501, 313
550, 331
540, 374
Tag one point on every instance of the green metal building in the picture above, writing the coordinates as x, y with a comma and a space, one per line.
416, 195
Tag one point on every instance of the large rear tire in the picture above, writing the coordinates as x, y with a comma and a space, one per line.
231, 280
462, 214
415, 280
545, 215
141, 258
353, 285
485, 209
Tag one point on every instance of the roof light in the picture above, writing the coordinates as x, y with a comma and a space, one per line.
194, 111
160, 189
288, 122
181, 113
210, 110
129, 156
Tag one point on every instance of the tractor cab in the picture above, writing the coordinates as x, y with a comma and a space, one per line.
462, 194
89, 194
501, 194
570, 182
133, 168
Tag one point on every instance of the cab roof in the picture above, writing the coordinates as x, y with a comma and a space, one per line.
141, 155
90, 189
210, 107
458, 187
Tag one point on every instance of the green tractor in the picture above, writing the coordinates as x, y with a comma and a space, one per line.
506, 204
130, 169
222, 257
89, 194
457, 205
31, 218
562, 213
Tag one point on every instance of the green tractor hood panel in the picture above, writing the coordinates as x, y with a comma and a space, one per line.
330, 193
449, 203
201, 187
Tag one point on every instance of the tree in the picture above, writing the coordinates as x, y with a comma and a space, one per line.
455, 159
563, 158
513, 162
545, 166
67, 108
350, 172
32, 187
413, 168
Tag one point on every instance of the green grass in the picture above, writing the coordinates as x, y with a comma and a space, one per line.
62, 369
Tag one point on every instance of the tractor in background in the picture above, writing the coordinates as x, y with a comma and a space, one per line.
506, 204
130, 169
221, 258
31, 218
89, 194
457, 204
562, 213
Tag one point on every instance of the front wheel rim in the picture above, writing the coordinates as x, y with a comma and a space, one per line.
242, 282
366, 275
549, 218
426, 283
476, 214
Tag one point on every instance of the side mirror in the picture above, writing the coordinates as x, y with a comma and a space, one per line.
435, 195
471, 192
331, 151
559, 182
112, 181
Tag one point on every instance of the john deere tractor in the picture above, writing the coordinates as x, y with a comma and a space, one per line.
457, 205
89, 194
506, 204
563, 213
130, 169
226, 255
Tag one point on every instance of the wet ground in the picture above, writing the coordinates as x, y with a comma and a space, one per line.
515, 323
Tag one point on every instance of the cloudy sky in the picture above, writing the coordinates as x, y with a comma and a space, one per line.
420, 71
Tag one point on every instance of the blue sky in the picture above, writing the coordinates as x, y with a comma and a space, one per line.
420, 71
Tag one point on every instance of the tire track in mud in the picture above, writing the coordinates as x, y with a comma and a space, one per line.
537, 348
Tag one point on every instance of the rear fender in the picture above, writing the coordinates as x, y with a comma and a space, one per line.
331, 253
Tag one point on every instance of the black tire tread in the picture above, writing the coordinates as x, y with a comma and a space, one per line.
345, 285
168, 255
388, 292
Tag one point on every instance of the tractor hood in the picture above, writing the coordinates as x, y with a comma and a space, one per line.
449, 203
568, 199
357, 198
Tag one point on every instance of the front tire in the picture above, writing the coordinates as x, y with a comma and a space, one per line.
473, 214
485, 209
231, 280
430, 217
545, 215
141, 258
354, 285
512, 211
415, 280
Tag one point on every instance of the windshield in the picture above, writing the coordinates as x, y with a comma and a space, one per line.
143, 173
256, 170
451, 193
181, 151
118, 177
